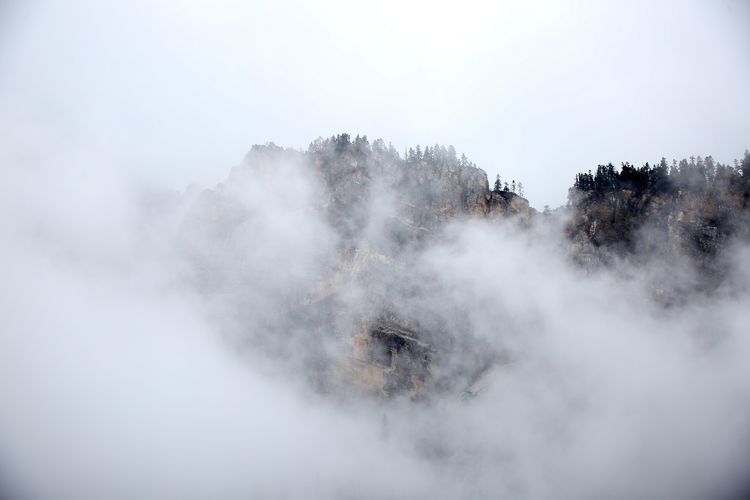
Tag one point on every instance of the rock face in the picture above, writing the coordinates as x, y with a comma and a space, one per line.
355, 303
417, 195
383, 209
407, 202
389, 359
505, 203
689, 224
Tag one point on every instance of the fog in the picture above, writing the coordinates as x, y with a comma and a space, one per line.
158, 339
148, 351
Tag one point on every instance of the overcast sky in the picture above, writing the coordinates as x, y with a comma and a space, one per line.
176, 92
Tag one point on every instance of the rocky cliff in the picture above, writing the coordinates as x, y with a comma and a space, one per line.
690, 215
357, 305
378, 210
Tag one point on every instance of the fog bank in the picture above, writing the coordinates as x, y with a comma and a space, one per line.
151, 349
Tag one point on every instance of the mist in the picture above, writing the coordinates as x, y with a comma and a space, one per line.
149, 351
180, 321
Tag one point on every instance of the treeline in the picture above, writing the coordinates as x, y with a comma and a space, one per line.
378, 155
695, 174
436, 156
514, 187
360, 145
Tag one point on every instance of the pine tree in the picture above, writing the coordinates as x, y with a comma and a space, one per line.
498, 184
710, 168
452, 154
361, 144
464, 161
513, 186
520, 189
342, 142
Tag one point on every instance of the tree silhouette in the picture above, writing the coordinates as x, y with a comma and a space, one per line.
498, 184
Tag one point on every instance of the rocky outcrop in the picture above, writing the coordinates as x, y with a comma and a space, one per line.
692, 208
382, 208
416, 196
682, 233
699, 223
508, 204
389, 359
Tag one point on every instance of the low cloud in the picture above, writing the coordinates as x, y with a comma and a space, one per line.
153, 347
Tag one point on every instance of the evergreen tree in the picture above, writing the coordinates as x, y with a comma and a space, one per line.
498, 184
342, 142
520, 189
710, 168
452, 154
361, 145
745, 167
658, 179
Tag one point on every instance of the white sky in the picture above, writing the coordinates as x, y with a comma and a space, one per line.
177, 92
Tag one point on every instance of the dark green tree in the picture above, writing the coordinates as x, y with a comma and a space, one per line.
452, 154
745, 166
710, 166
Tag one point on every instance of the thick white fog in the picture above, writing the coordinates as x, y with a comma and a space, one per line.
151, 340
141, 359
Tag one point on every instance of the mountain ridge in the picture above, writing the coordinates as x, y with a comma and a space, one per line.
375, 215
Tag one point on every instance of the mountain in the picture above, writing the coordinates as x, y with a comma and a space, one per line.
692, 212
359, 221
